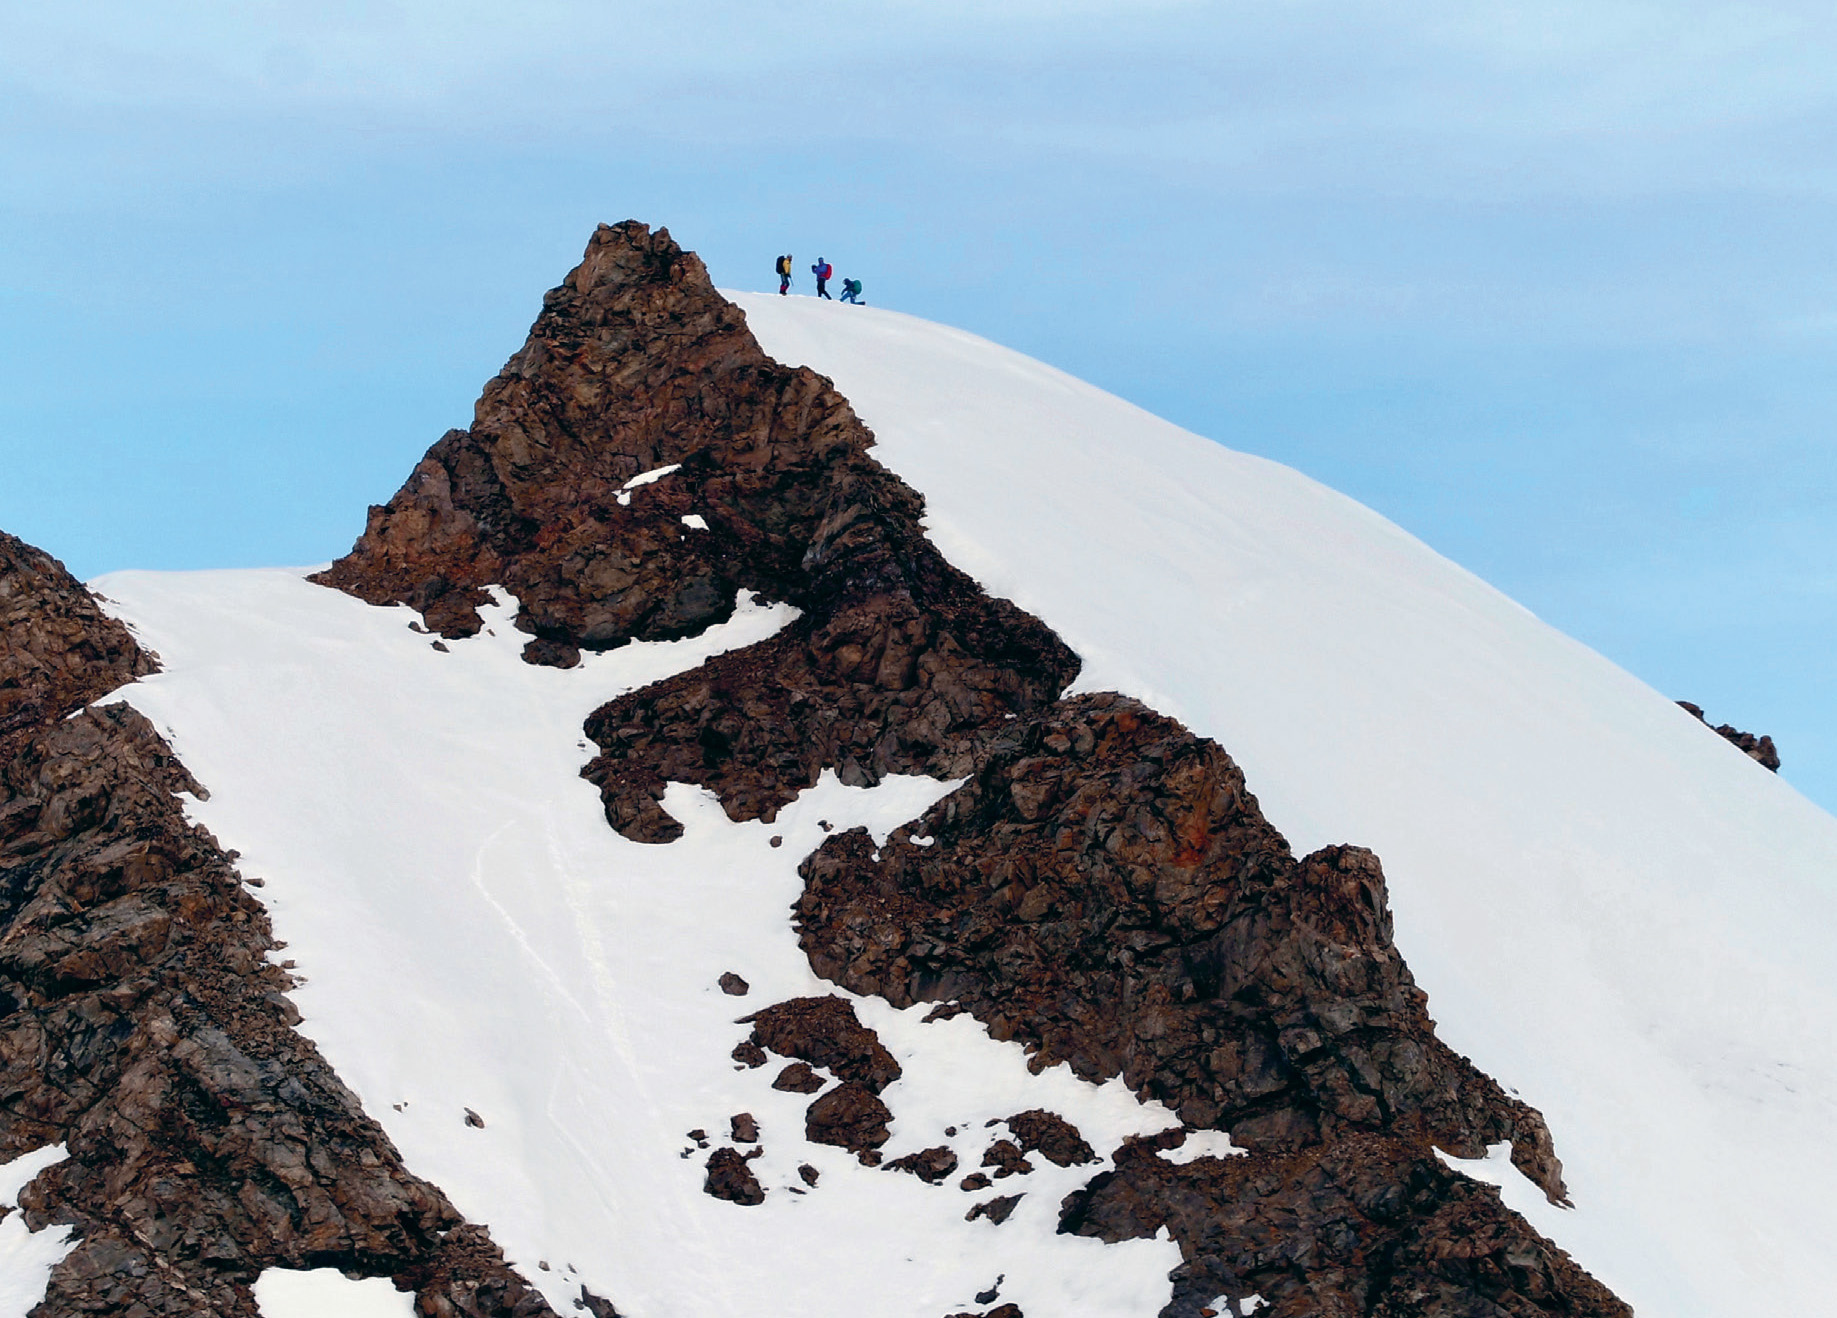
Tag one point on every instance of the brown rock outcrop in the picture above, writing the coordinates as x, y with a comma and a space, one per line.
636, 363
1051, 1136
731, 1179
996, 1210
1106, 890
1365, 1225
850, 1116
1102, 888
58, 650
797, 1078
929, 1165
142, 1025
1759, 749
825, 1032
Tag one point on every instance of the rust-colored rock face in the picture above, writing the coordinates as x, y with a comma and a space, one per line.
635, 364
1106, 890
142, 1025
58, 651
1361, 1226
1102, 888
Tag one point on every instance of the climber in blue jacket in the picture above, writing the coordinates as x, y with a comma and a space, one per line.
822, 270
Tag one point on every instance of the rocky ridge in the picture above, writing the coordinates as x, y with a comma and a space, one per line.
144, 1026
1759, 749
1101, 888
58, 650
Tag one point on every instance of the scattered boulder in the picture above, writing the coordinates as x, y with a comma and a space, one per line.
731, 1179
745, 1129
929, 1165
1006, 1157
798, 1078
825, 1032
595, 1306
1052, 1136
850, 1116
996, 1210
732, 984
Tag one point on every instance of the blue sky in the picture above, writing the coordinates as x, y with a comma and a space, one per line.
1552, 285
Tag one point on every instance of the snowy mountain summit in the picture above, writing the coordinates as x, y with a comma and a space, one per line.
762, 822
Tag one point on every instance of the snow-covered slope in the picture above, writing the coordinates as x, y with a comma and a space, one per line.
1613, 911
476, 939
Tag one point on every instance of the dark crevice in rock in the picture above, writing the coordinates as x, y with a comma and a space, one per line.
147, 1031
1102, 888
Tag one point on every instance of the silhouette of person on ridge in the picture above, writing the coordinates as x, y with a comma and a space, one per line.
822, 270
784, 274
851, 291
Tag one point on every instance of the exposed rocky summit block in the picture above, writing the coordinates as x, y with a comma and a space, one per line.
635, 364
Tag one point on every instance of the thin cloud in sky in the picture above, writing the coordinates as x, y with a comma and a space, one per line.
1550, 283
1232, 82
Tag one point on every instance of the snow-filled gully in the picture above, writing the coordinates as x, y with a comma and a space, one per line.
561, 983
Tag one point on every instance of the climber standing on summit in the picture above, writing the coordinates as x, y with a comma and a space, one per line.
822, 270
784, 274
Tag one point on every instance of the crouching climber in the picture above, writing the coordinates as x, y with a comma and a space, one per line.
851, 291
